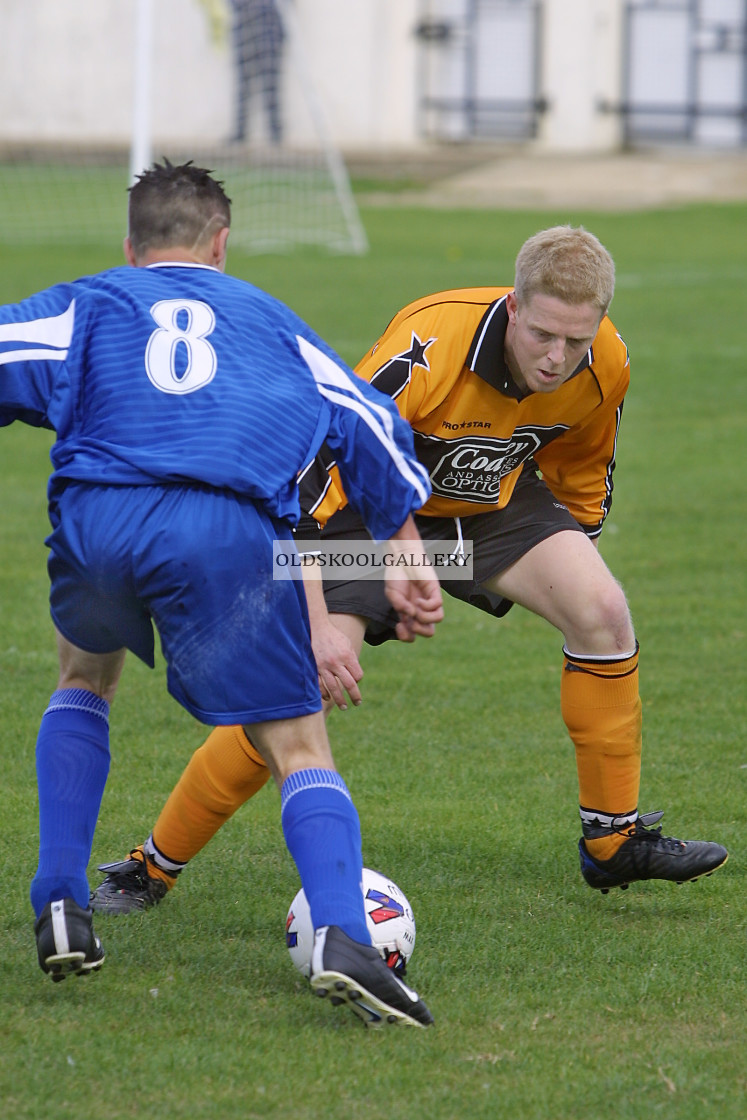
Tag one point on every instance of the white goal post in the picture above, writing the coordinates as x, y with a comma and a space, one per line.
159, 78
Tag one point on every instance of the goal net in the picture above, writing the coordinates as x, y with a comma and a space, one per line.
99, 89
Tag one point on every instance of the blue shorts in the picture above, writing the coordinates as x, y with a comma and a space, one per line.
197, 564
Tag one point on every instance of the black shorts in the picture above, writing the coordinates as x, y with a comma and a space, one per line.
499, 539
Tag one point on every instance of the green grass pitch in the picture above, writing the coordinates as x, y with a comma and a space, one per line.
551, 1002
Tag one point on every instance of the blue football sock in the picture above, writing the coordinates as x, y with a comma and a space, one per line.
72, 765
323, 835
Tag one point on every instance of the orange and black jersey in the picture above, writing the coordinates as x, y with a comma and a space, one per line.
442, 360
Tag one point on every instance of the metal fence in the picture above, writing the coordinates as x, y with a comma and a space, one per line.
684, 66
685, 72
479, 69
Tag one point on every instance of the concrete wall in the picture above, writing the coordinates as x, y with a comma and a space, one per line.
582, 60
66, 71
67, 66
361, 56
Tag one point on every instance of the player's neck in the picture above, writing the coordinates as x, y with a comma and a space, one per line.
171, 256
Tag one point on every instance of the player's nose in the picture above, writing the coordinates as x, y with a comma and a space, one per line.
556, 351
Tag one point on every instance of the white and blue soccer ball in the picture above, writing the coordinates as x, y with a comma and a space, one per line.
389, 916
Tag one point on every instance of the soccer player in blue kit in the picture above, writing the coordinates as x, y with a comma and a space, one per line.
185, 402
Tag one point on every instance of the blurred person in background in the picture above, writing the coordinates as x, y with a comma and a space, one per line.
258, 37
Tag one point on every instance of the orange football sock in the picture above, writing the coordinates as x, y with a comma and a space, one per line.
220, 776
601, 708
154, 871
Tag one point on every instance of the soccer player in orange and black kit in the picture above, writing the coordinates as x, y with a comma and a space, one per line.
514, 396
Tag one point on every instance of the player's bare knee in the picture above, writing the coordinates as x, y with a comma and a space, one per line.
602, 622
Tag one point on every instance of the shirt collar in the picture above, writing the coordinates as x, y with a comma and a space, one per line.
182, 264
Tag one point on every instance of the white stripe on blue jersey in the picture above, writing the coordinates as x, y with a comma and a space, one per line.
329, 378
51, 335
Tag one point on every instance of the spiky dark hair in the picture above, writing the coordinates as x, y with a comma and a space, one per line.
176, 205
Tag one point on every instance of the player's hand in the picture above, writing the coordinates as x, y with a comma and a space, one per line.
337, 664
419, 605
412, 586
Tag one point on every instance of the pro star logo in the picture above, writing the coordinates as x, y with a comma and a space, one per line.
291, 938
387, 907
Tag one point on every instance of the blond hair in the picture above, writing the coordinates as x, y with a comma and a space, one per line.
566, 262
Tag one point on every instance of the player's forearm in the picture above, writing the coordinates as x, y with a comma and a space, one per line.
314, 589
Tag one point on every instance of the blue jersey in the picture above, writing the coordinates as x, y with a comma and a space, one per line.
178, 373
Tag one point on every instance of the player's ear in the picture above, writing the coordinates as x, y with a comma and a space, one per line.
219, 247
129, 252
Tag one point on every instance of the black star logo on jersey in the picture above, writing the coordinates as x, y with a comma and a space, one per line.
415, 356
393, 377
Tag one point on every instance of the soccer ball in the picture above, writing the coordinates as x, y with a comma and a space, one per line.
388, 915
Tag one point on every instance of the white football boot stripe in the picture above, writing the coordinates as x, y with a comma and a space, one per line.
59, 929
